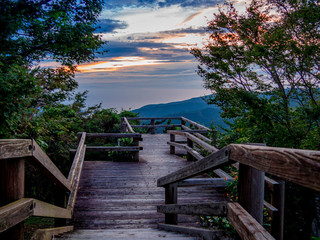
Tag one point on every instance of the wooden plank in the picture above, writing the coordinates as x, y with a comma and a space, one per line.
155, 118
207, 209
278, 200
12, 181
41, 160
47, 234
270, 183
172, 147
197, 232
212, 182
114, 135
214, 160
15, 148
193, 152
128, 126
195, 124
203, 144
251, 191
271, 209
75, 163
223, 174
197, 134
246, 226
75, 185
15, 213
43, 209
116, 149
156, 126
295, 165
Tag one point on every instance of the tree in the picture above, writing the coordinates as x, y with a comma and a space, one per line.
263, 67
33, 32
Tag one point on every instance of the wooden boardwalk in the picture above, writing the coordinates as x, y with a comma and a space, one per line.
124, 195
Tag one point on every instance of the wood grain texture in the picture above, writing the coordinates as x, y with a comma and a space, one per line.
195, 124
246, 226
116, 149
77, 158
191, 151
114, 135
124, 195
48, 234
197, 134
214, 182
43, 209
15, 213
193, 138
207, 209
215, 160
15, 148
298, 166
197, 232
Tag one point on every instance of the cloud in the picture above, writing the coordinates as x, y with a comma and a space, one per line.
110, 25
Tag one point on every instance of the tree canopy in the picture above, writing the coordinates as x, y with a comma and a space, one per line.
263, 66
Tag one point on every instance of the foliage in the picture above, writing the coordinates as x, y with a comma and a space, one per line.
263, 67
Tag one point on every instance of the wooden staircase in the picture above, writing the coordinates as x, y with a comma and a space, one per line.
118, 200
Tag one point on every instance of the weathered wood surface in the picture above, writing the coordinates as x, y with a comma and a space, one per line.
117, 149
114, 135
246, 226
128, 126
298, 166
156, 126
207, 209
15, 212
197, 134
213, 182
48, 233
124, 195
126, 234
15, 148
204, 234
200, 142
214, 160
195, 124
154, 118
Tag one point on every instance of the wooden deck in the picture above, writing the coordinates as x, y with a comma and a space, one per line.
124, 195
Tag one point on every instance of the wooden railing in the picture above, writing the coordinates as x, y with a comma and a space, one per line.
298, 166
183, 123
136, 138
15, 208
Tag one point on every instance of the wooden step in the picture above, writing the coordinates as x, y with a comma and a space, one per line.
124, 234
201, 233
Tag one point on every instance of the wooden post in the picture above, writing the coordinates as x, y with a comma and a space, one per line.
12, 175
61, 201
172, 139
136, 154
153, 127
171, 197
189, 155
182, 123
277, 200
251, 191
122, 127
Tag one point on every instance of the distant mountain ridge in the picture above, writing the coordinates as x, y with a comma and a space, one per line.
196, 109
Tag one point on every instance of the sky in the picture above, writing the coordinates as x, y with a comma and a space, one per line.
148, 59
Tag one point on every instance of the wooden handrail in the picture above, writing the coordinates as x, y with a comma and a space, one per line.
128, 126
154, 118
29, 149
214, 160
193, 138
77, 158
295, 165
24, 208
113, 135
194, 123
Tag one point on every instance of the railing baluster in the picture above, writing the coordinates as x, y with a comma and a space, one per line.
171, 197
